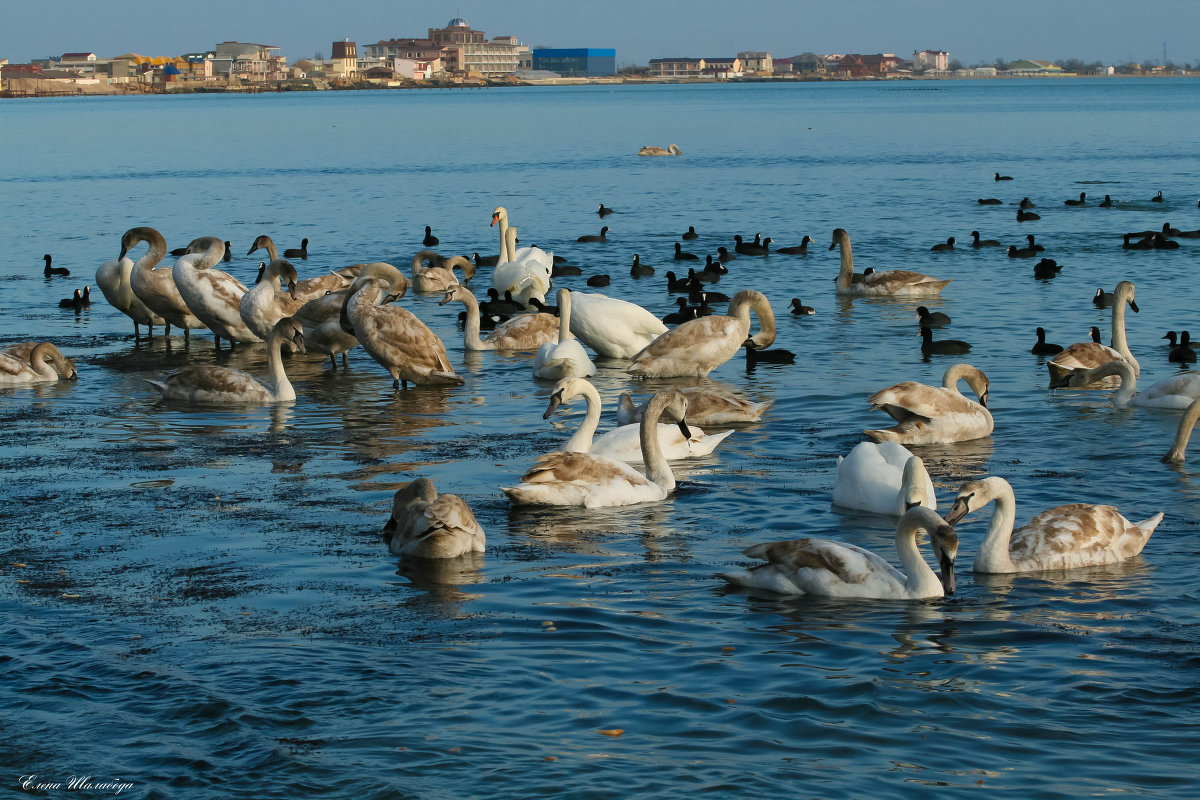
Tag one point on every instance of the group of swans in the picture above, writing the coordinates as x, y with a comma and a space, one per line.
1089, 355
565, 478
935, 414
524, 272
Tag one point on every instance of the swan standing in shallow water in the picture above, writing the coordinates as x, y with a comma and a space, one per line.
878, 477
1179, 391
1065, 537
45, 364
114, 279
399, 341
1093, 354
613, 328
156, 287
624, 443
525, 272
698, 346
652, 150
215, 297
830, 569
932, 414
522, 332
705, 407
321, 317
583, 479
566, 357
208, 383
891, 283
425, 524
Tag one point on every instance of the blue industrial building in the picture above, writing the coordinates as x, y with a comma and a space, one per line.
582, 62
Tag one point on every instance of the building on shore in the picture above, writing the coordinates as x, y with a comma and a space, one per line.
464, 49
855, 65
930, 60
757, 63
584, 62
249, 62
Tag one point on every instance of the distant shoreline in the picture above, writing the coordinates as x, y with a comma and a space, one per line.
19, 88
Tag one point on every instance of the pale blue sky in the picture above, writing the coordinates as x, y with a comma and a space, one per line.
1112, 31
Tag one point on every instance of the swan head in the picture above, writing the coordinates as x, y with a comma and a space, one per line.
131, 237
291, 331
500, 214
1124, 293
262, 242
838, 235
455, 292
944, 542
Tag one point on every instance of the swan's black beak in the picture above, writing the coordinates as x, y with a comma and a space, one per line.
446, 299
292, 289
389, 528
983, 400
833, 244
944, 542
555, 402
961, 507
1133, 305
298, 342
683, 428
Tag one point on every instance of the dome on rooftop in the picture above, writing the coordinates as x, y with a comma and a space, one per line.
458, 22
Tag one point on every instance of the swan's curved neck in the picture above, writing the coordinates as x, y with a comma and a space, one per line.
994, 555
757, 302
1119, 343
269, 244
581, 440
39, 364
657, 468
214, 251
919, 576
1186, 423
846, 272
154, 254
277, 379
508, 248
564, 315
471, 324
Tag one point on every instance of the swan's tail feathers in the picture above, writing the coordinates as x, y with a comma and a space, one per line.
762, 576
709, 444
1148, 525
162, 387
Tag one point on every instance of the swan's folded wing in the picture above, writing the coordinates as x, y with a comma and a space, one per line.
449, 512
1080, 531
12, 366
569, 467
848, 563
917, 399
703, 340
208, 378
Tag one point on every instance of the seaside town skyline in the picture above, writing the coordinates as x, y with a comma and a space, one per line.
639, 32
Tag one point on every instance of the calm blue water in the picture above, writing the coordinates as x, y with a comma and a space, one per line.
198, 602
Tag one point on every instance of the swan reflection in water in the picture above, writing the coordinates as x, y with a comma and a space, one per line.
439, 583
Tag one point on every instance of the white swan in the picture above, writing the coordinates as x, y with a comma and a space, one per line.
1179, 391
566, 357
1093, 354
934, 414
321, 317
400, 342
439, 276
890, 283
521, 332
1186, 423
45, 363
831, 569
310, 288
156, 287
624, 443
265, 304
208, 383
873, 478
526, 271
583, 479
425, 524
215, 297
113, 278
652, 150
705, 407
613, 328
1066, 537
698, 346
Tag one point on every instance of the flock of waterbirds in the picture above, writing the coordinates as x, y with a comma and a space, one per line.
355, 306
